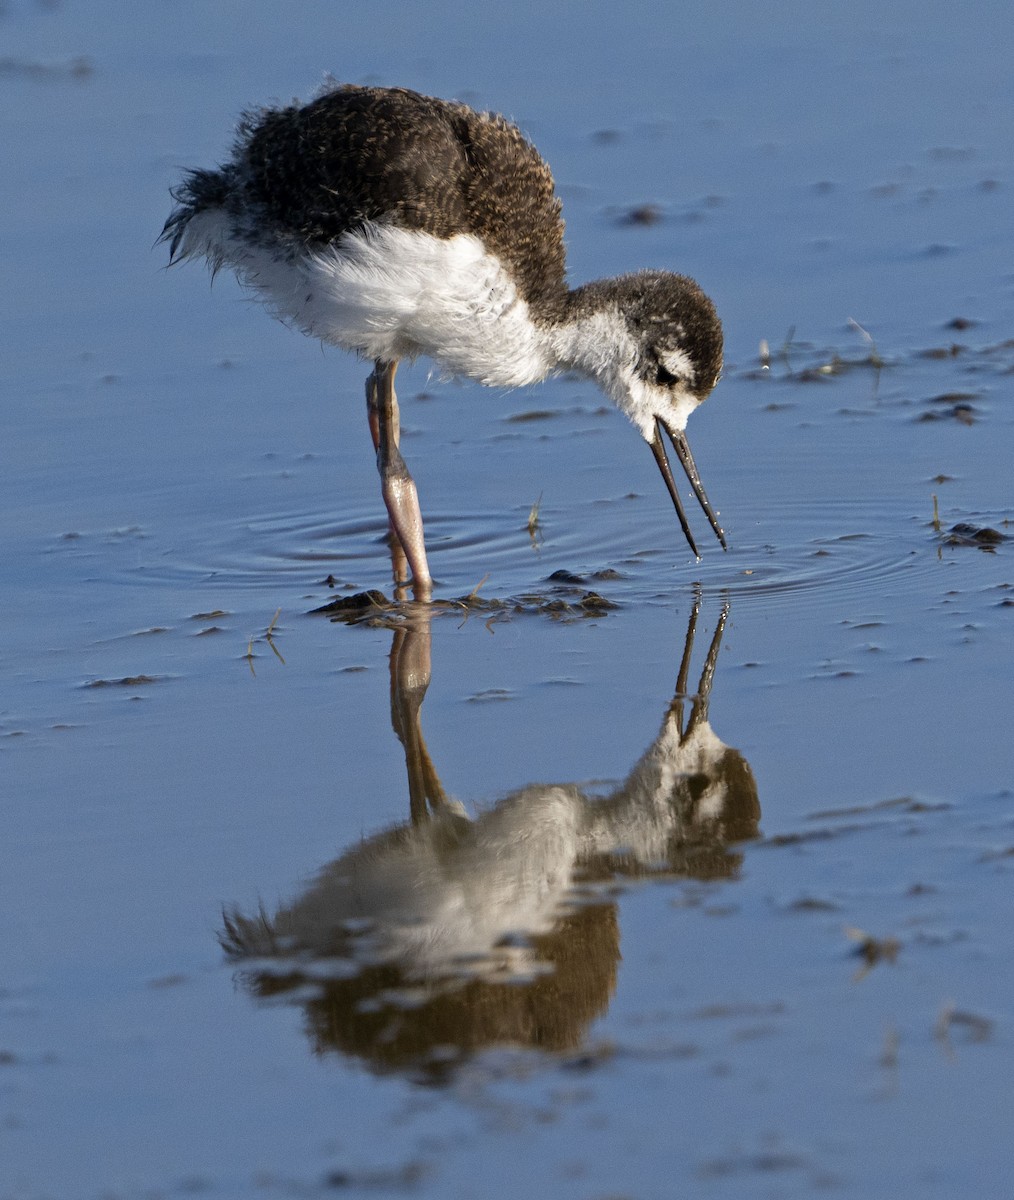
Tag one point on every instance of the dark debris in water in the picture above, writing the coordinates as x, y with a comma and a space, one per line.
954, 406
998, 855
591, 1058
127, 681
872, 950
765, 1162
641, 214
405, 1178
984, 538
532, 414
822, 367
567, 599
353, 609
950, 399
800, 361
808, 904
79, 68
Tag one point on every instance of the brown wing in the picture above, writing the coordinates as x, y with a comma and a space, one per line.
368, 154
511, 202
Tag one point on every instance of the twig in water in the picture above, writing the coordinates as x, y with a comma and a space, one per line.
474, 593
786, 345
534, 525
249, 656
875, 359
270, 640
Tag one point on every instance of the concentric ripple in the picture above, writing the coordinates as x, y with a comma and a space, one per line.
626, 549
301, 549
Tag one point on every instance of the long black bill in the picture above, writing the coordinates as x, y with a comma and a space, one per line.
682, 448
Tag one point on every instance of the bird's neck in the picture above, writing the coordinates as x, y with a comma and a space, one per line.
592, 339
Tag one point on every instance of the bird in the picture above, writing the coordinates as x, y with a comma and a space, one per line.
474, 913
395, 225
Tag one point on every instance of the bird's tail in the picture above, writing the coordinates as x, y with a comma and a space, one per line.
200, 191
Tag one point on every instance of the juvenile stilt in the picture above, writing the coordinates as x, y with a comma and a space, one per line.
396, 225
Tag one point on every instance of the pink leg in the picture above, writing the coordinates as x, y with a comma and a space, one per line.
399, 563
397, 485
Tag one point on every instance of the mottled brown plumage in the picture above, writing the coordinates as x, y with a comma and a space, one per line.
310, 173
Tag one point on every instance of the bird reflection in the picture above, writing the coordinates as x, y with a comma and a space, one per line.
448, 934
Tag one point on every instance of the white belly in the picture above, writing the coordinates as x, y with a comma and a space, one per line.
390, 293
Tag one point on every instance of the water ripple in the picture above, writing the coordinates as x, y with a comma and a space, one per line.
828, 554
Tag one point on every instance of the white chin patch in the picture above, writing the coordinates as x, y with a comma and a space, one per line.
643, 402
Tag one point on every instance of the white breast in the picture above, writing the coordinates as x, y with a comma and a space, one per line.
391, 293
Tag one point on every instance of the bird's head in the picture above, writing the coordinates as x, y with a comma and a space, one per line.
658, 362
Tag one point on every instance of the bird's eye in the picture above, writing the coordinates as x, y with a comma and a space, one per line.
665, 378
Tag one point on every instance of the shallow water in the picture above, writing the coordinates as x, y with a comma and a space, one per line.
714, 897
